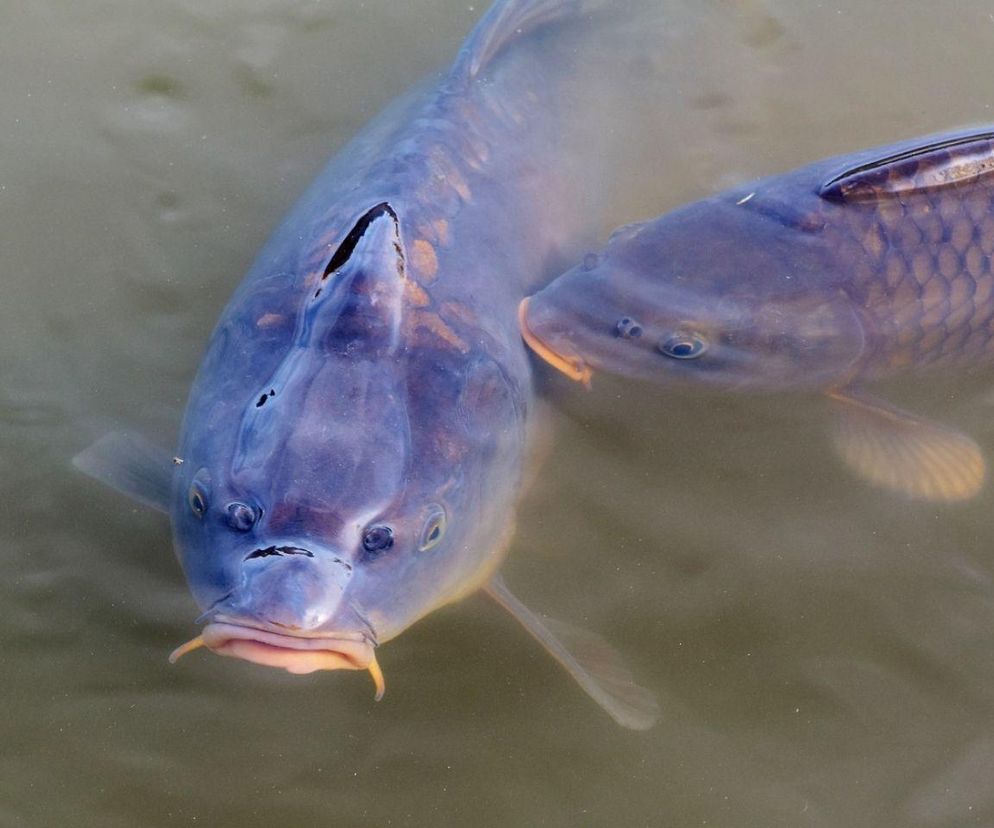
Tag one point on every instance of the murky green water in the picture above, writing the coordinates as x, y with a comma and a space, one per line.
822, 651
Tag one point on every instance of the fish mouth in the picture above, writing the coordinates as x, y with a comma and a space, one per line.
298, 654
572, 366
294, 653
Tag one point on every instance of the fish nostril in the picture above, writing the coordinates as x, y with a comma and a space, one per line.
241, 517
627, 328
278, 551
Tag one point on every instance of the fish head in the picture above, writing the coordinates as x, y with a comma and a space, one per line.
715, 293
341, 482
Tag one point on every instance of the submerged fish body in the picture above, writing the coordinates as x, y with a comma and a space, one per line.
364, 395
352, 449
839, 273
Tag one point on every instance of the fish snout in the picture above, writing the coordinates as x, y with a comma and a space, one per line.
289, 587
288, 611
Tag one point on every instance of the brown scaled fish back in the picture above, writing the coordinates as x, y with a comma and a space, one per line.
917, 229
841, 272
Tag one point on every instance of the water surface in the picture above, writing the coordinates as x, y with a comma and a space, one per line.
821, 650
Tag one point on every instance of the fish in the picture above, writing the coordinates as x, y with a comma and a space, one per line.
824, 279
354, 443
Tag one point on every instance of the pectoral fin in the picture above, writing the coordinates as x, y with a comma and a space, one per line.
589, 659
132, 465
899, 451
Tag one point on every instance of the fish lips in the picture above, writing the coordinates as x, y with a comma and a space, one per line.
299, 654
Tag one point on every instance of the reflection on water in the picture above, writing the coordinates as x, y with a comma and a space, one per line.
821, 649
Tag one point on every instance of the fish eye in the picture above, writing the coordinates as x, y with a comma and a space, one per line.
683, 345
377, 539
197, 498
433, 530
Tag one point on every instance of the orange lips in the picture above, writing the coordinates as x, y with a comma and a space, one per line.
295, 654
574, 368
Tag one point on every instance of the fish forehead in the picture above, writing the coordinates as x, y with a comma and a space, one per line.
340, 434
707, 262
287, 389
333, 421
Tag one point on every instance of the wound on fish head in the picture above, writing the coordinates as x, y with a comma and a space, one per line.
358, 304
337, 493
728, 291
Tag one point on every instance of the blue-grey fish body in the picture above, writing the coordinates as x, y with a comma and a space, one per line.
353, 444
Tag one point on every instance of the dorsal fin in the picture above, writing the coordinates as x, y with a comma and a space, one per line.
941, 161
506, 21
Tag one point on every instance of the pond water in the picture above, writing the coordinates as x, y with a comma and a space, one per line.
821, 650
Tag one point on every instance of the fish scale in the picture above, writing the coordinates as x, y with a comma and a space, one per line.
922, 268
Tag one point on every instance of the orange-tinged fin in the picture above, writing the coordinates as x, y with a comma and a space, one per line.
183, 649
931, 163
899, 451
575, 369
595, 664
378, 680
